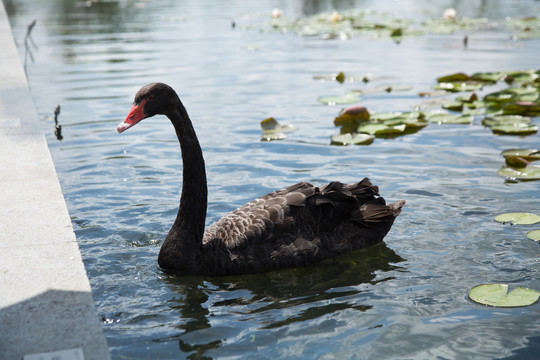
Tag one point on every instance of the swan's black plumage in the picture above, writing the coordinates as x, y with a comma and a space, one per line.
298, 225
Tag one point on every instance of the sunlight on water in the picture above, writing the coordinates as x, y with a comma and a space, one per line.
405, 298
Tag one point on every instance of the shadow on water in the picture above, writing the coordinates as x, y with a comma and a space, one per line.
310, 293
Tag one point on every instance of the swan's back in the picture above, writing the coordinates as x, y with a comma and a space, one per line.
298, 225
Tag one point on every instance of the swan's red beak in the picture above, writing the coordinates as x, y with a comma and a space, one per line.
135, 115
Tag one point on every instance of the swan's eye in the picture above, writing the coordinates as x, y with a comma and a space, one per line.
150, 97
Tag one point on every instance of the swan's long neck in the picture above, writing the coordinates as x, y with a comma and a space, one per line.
184, 240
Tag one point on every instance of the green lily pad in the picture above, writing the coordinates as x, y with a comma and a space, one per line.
445, 118
505, 120
534, 235
380, 129
457, 77
453, 106
522, 108
382, 117
515, 129
348, 139
497, 295
459, 86
527, 173
492, 77
348, 98
518, 218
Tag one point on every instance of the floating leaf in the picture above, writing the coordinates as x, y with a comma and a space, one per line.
272, 130
460, 86
340, 77
394, 87
348, 98
355, 139
497, 295
534, 235
527, 154
381, 129
529, 172
458, 77
515, 129
518, 218
273, 136
445, 118
453, 106
271, 125
505, 120
492, 77
467, 99
522, 108
381, 117
352, 116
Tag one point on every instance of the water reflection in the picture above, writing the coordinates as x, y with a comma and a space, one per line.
276, 299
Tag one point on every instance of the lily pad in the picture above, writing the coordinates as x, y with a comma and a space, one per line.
527, 154
271, 125
382, 130
457, 77
348, 139
353, 115
527, 173
525, 108
497, 295
273, 130
348, 98
446, 118
492, 77
534, 235
505, 120
453, 106
460, 86
518, 218
515, 129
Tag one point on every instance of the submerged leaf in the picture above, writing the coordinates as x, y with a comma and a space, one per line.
497, 295
518, 218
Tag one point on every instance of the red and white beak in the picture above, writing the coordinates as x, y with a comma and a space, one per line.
135, 115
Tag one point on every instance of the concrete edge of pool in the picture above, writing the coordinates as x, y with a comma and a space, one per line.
46, 304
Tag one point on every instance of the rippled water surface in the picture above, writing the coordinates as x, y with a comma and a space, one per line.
404, 298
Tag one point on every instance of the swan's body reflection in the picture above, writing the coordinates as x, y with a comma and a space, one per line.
275, 300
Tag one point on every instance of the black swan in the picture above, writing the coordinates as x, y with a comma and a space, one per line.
298, 225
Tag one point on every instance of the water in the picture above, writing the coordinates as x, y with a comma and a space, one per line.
405, 298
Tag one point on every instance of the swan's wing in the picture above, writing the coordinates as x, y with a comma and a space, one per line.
259, 218
303, 209
298, 225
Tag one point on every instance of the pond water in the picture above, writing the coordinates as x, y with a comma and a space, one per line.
404, 298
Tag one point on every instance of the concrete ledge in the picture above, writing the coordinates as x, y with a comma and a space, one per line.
46, 303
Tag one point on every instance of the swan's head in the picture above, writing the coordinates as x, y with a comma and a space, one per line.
150, 100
